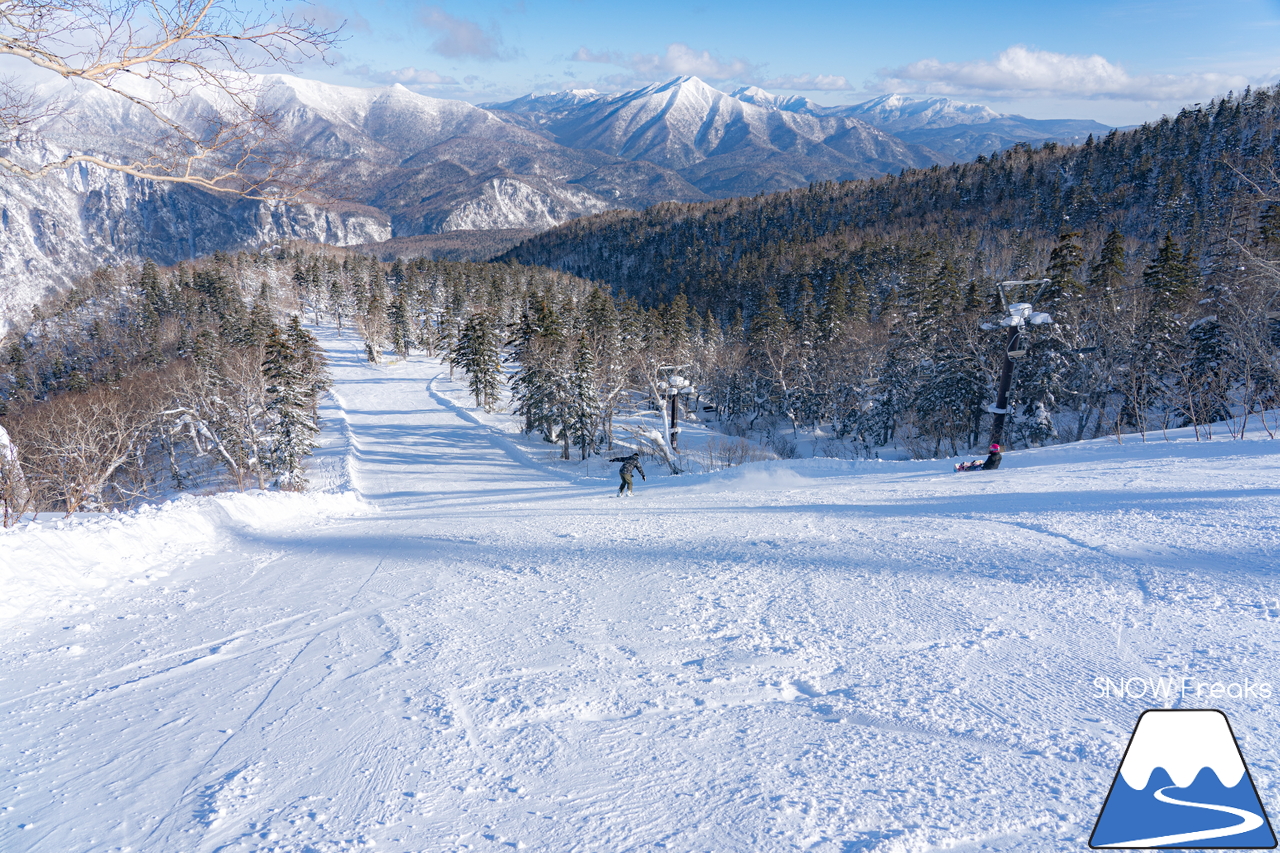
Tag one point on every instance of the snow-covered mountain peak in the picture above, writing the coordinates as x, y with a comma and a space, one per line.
680, 87
789, 103
900, 112
350, 102
751, 94
548, 103
890, 101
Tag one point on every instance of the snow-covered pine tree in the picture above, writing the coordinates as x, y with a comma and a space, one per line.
311, 362
476, 352
1168, 281
1041, 377
601, 328
1203, 373
1064, 289
834, 317
261, 320
949, 401
540, 385
374, 323
1107, 274
774, 352
291, 428
401, 312
583, 404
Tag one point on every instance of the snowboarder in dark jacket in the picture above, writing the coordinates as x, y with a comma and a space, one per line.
991, 463
993, 458
629, 464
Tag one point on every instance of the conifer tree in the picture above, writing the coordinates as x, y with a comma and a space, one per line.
939, 301
1064, 288
311, 363
1269, 226
375, 316
773, 350
401, 314
476, 352
149, 283
541, 381
583, 400
260, 320
859, 299
602, 331
291, 428
1166, 278
1204, 378
835, 312
1107, 274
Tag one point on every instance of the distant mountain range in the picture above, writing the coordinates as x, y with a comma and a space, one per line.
723, 145
406, 167
952, 129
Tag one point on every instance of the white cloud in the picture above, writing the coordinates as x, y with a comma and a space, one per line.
808, 83
679, 60
458, 37
408, 76
1023, 72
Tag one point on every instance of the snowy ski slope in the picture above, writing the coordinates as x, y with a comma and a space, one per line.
482, 653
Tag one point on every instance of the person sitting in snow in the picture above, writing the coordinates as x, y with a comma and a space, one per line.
629, 464
991, 463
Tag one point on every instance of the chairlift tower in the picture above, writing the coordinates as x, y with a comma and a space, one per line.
673, 385
1018, 316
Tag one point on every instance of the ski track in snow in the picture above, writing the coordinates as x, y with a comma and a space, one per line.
806, 655
1248, 821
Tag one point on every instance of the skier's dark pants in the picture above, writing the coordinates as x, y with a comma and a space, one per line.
626, 483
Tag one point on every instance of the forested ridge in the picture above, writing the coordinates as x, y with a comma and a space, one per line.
871, 307
1204, 176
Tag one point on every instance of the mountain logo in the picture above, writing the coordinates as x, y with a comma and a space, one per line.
1182, 783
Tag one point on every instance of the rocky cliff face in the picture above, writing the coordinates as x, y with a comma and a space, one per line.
69, 223
404, 164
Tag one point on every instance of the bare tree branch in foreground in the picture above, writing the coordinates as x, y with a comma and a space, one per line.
154, 53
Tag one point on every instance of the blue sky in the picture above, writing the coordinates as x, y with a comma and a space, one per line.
1116, 62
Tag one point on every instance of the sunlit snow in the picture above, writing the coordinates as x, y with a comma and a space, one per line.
481, 648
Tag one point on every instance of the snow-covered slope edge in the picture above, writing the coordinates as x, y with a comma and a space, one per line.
55, 564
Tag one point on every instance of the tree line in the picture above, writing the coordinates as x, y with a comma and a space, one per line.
1207, 176
863, 303
138, 381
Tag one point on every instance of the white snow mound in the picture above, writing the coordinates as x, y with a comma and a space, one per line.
45, 562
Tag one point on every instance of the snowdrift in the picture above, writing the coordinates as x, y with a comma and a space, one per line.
46, 562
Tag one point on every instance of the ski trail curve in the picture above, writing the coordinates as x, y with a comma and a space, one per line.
1248, 822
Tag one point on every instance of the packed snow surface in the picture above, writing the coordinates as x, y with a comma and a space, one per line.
483, 649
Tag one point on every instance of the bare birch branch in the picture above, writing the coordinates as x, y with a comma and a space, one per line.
155, 53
